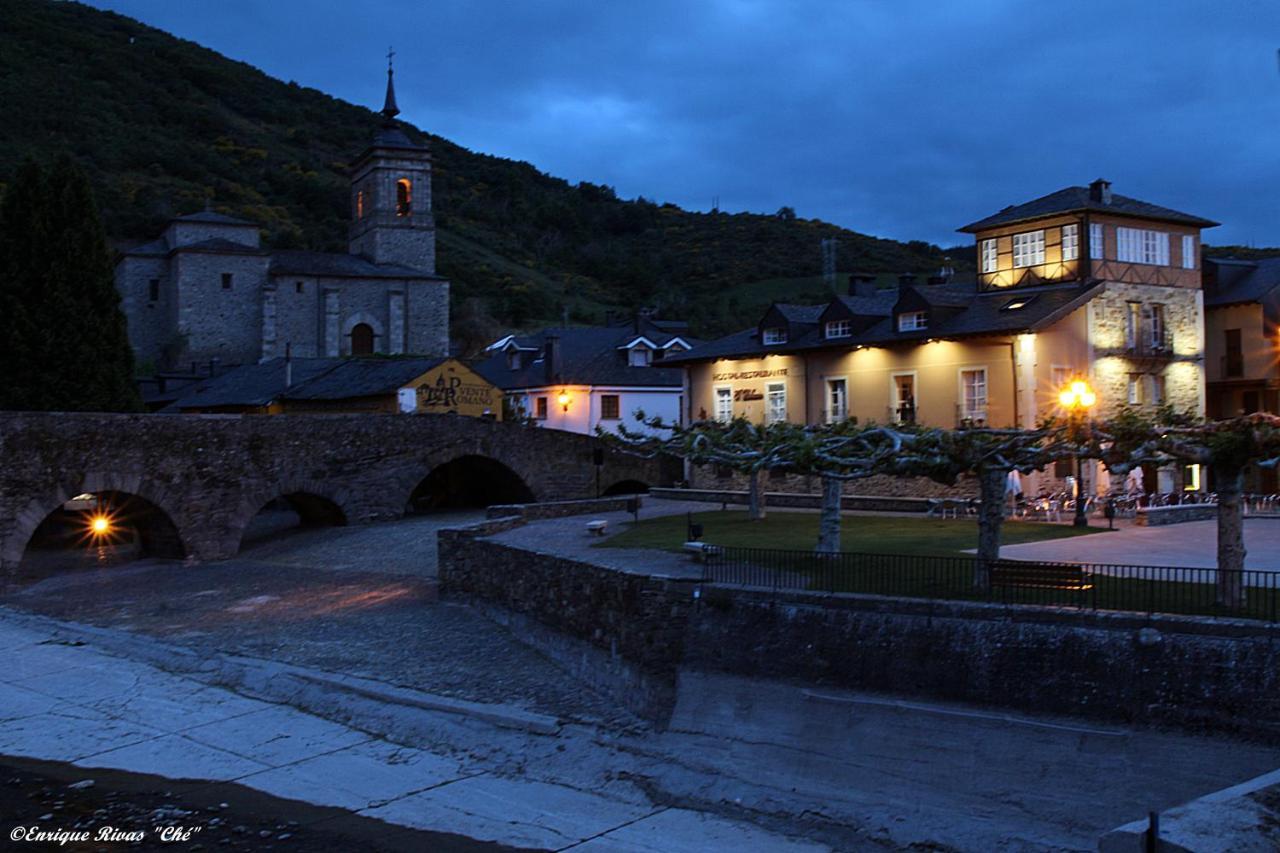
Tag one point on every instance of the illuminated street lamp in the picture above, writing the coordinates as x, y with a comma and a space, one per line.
1078, 398
563, 400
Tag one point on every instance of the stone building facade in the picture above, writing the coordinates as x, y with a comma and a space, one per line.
207, 290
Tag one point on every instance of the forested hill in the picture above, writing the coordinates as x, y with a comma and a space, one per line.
162, 124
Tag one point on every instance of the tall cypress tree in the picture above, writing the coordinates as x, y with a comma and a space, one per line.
63, 341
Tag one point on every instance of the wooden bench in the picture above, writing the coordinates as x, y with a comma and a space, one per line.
597, 527
701, 551
1040, 576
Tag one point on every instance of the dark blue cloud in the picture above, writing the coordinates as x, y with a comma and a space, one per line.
902, 119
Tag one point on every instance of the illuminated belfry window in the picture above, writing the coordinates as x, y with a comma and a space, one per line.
360, 204
404, 197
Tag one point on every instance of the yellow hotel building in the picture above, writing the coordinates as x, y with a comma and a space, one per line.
1079, 283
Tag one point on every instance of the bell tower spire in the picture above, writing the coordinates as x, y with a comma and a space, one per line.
389, 108
391, 218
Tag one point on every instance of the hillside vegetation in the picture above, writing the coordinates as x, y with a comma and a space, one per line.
161, 125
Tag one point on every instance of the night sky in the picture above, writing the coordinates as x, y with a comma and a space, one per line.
903, 119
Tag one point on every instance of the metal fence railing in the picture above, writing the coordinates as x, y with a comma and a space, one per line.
1249, 594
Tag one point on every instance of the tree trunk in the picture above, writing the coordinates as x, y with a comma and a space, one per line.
1231, 590
755, 498
829, 524
991, 482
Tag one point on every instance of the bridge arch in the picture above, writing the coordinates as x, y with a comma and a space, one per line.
467, 480
626, 487
317, 504
134, 506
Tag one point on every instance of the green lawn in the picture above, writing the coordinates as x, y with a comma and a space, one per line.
787, 560
868, 534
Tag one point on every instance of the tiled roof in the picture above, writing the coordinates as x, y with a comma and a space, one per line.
361, 377
800, 313
1074, 199
312, 379
211, 217
1230, 282
980, 313
250, 384
336, 265
588, 356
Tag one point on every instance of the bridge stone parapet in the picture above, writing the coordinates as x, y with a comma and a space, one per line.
210, 474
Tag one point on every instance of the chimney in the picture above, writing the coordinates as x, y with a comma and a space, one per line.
861, 284
551, 358
907, 279
288, 365
1100, 191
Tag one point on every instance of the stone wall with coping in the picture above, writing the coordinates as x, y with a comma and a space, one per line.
630, 634
620, 632
558, 509
866, 503
1156, 516
713, 478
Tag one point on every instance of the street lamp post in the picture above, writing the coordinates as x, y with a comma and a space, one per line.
1078, 398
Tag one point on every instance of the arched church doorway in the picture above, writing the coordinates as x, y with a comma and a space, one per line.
362, 339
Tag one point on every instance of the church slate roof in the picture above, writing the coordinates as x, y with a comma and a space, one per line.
588, 356
1073, 199
336, 265
1232, 282
250, 384
213, 218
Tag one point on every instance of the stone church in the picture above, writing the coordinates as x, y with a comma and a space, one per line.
206, 289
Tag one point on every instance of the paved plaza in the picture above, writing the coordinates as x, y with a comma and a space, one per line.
1191, 544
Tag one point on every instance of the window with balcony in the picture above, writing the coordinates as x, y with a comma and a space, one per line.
1028, 249
774, 335
913, 321
1156, 315
989, 256
1142, 246
1070, 242
838, 329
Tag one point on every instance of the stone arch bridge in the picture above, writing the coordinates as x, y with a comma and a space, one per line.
197, 480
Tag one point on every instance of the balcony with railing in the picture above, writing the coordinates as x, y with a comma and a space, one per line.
1147, 344
970, 417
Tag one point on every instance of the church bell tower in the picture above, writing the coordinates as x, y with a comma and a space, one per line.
391, 219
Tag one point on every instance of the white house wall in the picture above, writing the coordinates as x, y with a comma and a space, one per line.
583, 414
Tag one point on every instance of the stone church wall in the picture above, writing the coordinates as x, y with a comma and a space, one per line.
150, 324
218, 323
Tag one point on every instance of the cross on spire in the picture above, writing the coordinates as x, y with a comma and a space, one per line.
389, 108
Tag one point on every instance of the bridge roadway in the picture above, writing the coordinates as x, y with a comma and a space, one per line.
190, 484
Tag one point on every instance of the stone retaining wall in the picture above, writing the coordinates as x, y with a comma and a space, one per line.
866, 503
560, 509
628, 634
1155, 516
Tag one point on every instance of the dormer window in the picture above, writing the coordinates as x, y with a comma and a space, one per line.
638, 357
774, 335
838, 329
513, 359
913, 321
1028, 249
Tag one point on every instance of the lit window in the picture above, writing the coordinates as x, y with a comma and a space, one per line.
1097, 244
973, 384
540, 408
989, 256
913, 321
1142, 246
724, 405
359, 204
404, 197
638, 357
775, 335
838, 329
1188, 252
1070, 242
775, 411
609, 407
1028, 249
